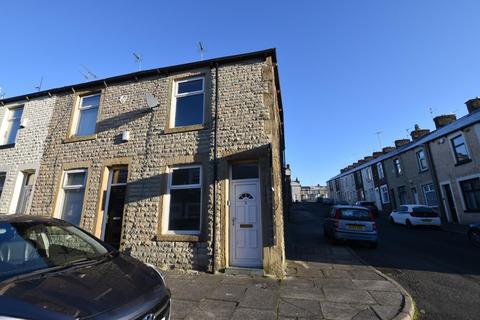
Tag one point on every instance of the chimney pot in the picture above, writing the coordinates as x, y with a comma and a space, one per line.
473, 104
443, 120
401, 142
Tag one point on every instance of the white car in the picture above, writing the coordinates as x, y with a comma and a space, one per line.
415, 215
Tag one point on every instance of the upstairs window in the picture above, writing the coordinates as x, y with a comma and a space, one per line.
12, 125
72, 195
422, 160
185, 198
471, 194
2, 182
188, 104
87, 113
398, 167
381, 175
460, 149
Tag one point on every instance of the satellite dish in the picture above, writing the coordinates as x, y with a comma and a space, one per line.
152, 102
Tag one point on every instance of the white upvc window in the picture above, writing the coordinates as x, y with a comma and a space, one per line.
86, 117
71, 195
11, 125
369, 174
2, 182
188, 102
183, 201
381, 175
430, 194
384, 194
422, 160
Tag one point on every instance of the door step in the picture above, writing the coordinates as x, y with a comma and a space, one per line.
234, 271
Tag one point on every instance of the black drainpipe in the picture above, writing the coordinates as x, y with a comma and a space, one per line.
433, 171
215, 178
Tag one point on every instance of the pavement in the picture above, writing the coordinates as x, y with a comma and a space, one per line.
440, 268
323, 282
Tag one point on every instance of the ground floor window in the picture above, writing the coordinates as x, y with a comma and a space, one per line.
72, 195
384, 194
430, 195
471, 194
185, 200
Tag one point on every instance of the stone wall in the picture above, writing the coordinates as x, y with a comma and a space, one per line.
247, 123
28, 149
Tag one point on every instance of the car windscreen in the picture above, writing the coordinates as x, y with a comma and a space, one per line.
27, 247
355, 214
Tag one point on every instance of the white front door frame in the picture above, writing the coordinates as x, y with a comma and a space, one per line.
234, 225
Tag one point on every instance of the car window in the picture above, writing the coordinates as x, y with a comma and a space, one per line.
403, 209
355, 214
423, 209
31, 246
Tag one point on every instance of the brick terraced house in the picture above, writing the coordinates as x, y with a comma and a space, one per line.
181, 166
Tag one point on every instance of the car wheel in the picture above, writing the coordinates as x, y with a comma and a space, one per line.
392, 221
373, 245
408, 224
474, 236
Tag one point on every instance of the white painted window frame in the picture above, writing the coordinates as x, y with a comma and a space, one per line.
63, 187
384, 190
419, 162
380, 169
176, 95
81, 108
432, 190
166, 203
7, 118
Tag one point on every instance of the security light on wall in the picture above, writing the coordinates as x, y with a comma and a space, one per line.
125, 136
23, 123
151, 101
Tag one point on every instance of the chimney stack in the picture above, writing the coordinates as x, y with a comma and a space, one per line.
388, 149
360, 162
401, 142
418, 133
443, 120
473, 104
377, 154
368, 158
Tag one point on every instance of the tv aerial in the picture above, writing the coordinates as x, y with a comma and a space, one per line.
2, 93
87, 74
201, 49
138, 59
39, 86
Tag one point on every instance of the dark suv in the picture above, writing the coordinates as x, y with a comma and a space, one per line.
50, 269
370, 205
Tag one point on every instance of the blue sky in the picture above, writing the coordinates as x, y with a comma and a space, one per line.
348, 69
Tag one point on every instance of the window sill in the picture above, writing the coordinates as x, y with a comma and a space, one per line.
196, 127
423, 171
7, 146
463, 162
177, 237
472, 211
80, 138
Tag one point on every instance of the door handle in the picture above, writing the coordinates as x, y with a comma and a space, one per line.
233, 220
117, 218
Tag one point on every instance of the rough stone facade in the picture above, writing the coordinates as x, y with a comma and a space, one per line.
249, 127
28, 148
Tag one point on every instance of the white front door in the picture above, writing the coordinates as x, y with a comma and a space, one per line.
245, 224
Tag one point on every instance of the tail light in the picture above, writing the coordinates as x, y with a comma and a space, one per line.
370, 213
336, 223
413, 214
338, 214
374, 225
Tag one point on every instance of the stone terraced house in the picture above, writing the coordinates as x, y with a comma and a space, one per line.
180, 166
23, 128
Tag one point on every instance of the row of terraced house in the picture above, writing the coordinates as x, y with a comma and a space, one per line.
181, 166
439, 169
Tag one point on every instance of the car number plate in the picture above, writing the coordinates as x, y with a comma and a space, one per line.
351, 227
426, 220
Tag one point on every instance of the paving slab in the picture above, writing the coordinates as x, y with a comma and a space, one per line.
348, 296
377, 285
385, 312
260, 298
227, 292
387, 298
341, 311
299, 308
212, 309
253, 314
302, 293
